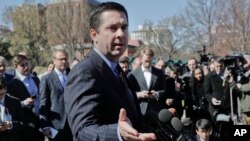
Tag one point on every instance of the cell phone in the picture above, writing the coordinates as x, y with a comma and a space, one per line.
2, 123
33, 96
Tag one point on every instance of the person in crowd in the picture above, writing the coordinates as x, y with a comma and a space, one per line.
136, 62
244, 88
150, 85
192, 63
186, 78
12, 71
3, 74
160, 64
25, 87
217, 92
199, 103
52, 111
50, 68
99, 102
204, 130
179, 103
124, 64
74, 62
11, 115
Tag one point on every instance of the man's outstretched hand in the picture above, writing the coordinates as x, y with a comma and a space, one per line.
128, 133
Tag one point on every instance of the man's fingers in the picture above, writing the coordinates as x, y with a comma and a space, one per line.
125, 125
122, 115
147, 136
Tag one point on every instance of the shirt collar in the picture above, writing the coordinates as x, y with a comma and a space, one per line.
59, 72
112, 65
22, 77
146, 69
2, 101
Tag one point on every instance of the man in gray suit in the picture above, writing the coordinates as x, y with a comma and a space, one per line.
52, 111
99, 104
150, 84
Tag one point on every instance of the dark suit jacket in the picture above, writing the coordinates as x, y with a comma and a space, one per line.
93, 99
15, 110
52, 111
8, 77
158, 83
213, 88
17, 89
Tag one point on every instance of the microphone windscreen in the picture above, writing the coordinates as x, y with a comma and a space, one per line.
165, 115
151, 118
176, 123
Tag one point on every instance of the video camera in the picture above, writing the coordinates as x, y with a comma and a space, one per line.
234, 63
204, 57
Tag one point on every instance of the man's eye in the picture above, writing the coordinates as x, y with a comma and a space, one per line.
125, 27
113, 28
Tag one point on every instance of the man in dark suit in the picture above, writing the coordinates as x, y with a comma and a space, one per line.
52, 111
25, 87
11, 128
99, 104
217, 92
149, 84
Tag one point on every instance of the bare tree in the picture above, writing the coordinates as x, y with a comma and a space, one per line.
174, 33
204, 14
234, 27
29, 27
68, 24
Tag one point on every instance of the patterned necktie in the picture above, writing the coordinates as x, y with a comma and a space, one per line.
62, 79
122, 79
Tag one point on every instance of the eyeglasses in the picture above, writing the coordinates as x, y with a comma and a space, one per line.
62, 59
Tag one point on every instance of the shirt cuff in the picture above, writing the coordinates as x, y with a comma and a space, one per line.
118, 134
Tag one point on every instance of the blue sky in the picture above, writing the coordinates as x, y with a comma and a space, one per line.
138, 10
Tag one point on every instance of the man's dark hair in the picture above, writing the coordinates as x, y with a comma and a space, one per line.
124, 59
203, 124
18, 58
95, 14
3, 84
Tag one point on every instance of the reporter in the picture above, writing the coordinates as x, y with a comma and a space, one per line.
244, 88
11, 116
99, 104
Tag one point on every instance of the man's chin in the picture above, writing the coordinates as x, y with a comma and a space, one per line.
117, 53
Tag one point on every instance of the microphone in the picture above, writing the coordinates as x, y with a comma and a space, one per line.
153, 124
165, 117
179, 127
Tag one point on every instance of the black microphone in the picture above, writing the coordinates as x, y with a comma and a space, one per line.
179, 127
165, 117
153, 125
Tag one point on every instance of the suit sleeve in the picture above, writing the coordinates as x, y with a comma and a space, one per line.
44, 106
207, 88
82, 102
18, 121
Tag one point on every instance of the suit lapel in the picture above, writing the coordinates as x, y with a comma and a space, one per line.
109, 78
142, 79
57, 80
25, 92
153, 78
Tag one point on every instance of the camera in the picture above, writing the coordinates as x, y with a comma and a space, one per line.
204, 57
234, 63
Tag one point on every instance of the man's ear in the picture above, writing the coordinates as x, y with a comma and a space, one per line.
93, 33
